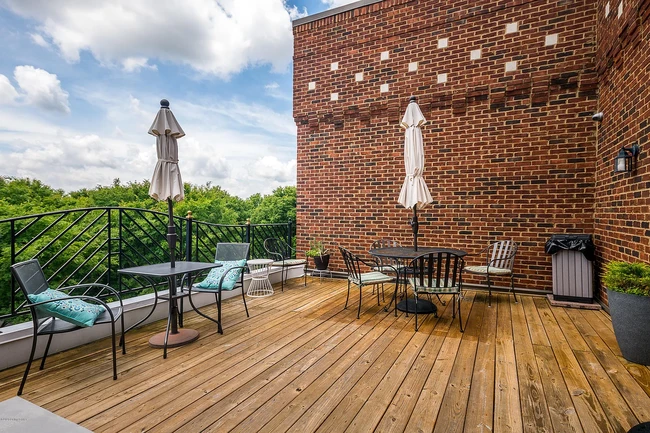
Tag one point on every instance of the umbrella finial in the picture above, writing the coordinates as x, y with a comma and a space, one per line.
164, 103
413, 99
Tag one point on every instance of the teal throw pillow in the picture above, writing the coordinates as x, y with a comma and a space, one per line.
75, 311
214, 277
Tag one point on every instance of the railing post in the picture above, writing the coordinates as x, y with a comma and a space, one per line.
289, 233
109, 256
120, 253
188, 237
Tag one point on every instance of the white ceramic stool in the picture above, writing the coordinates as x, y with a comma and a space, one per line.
260, 285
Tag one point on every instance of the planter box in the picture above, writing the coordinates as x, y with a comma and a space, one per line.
631, 321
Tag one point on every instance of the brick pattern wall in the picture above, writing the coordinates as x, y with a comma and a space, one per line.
509, 153
622, 211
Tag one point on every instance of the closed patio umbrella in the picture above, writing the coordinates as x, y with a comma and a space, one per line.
166, 182
414, 193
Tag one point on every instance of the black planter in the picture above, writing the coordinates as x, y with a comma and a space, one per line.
321, 262
631, 321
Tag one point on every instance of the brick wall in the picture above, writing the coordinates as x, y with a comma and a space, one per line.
622, 210
510, 147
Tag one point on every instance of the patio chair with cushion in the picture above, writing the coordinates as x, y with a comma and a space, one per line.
229, 276
284, 256
386, 265
438, 274
499, 260
65, 309
354, 263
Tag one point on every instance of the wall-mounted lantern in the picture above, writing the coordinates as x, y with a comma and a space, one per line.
625, 161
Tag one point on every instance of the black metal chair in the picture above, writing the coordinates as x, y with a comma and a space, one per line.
353, 264
499, 262
438, 274
230, 276
284, 256
387, 265
31, 279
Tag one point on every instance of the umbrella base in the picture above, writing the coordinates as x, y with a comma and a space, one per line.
424, 306
184, 336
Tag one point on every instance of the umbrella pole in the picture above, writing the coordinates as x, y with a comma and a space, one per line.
415, 226
171, 233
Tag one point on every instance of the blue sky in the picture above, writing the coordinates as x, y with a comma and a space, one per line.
81, 81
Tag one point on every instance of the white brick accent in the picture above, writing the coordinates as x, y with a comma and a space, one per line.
383, 88
311, 85
475, 54
384, 55
358, 76
550, 40
512, 27
511, 66
413, 66
334, 97
442, 78
334, 66
620, 9
607, 9
443, 43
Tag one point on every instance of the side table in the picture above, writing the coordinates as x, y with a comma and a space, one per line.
260, 285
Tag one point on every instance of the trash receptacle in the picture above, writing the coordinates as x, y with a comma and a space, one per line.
573, 271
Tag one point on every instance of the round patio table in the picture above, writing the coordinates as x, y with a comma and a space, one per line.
403, 256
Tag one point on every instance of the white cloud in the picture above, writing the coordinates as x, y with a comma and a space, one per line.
7, 92
39, 40
215, 38
41, 88
336, 3
295, 13
134, 64
273, 90
270, 167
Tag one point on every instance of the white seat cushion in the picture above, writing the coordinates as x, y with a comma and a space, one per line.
484, 270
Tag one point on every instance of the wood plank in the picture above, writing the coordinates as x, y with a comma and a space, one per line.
534, 410
563, 413
399, 410
226, 414
427, 407
535, 327
372, 407
591, 414
507, 409
480, 409
630, 390
619, 414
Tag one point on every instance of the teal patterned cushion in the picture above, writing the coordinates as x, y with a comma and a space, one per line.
75, 311
211, 282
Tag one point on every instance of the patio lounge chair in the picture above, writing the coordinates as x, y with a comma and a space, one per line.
285, 256
353, 264
438, 274
229, 276
499, 262
65, 309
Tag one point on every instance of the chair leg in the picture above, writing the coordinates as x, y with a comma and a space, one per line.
382, 288
347, 297
512, 286
47, 349
460, 316
113, 346
489, 290
304, 273
122, 339
244, 298
415, 295
29, 364
282, 277
359, 309
218, 299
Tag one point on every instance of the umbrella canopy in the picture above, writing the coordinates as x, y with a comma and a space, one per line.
414, 193
166, 182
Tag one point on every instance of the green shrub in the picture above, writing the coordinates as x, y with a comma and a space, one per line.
316, 248
624, 277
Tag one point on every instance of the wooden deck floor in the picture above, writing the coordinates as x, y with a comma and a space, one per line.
301, 363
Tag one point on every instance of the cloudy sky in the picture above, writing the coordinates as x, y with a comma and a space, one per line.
81, 81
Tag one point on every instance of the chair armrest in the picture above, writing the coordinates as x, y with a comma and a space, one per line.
81, 297
90, 285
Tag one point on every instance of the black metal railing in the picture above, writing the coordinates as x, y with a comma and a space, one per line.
90, 245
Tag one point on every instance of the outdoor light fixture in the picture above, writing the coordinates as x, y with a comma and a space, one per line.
626, 159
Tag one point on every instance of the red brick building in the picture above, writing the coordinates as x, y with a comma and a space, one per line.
509, 89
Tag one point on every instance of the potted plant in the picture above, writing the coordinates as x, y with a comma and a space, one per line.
320, 254
628, 291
